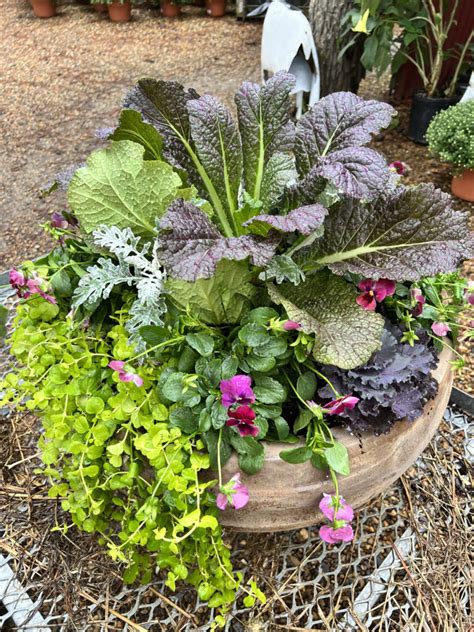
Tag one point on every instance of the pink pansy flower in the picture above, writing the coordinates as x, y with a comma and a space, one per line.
291, 325
234, 493
399, 167
237, 390
59, 221
333, 535
327, 505
419, 299
244, 419
27, 287
123, 375
338, 406
440, 329
374, 292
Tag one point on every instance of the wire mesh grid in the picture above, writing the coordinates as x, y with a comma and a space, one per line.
407, 569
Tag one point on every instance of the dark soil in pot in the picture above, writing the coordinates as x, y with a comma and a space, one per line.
44, 8
170, 9
423, 109
119, 11
216, 8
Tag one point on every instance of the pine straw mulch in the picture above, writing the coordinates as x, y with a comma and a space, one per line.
70, 574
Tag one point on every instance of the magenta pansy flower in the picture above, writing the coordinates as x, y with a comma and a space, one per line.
291, 325
440, 329
123, 375
333, 535
17, 279
374, 292
419, 299
244, 419
59, 221
237, 390
234, 493
338, 406
399, 167
327, 505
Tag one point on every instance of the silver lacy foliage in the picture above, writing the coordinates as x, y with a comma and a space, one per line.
135, 268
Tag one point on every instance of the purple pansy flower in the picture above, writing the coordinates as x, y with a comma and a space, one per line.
327, 505
374, 292
333, 535
419, 299
234, 493
59, 221
27, 287
291, 325
338, 406
123, 375
440, 329
244, 419
237, 390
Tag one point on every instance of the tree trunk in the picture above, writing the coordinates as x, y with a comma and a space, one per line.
336, 74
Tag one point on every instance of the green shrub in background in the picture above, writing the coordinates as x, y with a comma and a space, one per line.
451, 135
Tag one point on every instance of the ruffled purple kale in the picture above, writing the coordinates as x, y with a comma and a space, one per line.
395, 384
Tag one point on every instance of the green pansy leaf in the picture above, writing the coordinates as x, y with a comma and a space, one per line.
306, 385
119, 188
296, 455
319, 461
201, 342
302, 421
269, 391
337, 458
346, 334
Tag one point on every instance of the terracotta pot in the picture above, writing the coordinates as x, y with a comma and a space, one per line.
170, 9
100, 7
119, 11
463, 186
44, 8
285, 496
216, 8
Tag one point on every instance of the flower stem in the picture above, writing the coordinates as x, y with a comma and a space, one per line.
219, 470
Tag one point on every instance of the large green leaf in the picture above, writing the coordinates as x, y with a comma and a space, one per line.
119, 188
132, 127
405, 235
219, 300
346, 335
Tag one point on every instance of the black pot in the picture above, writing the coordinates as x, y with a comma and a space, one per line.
423, 109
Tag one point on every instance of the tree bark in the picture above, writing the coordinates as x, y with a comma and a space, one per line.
336, 74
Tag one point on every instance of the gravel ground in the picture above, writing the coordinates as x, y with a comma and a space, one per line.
64, 78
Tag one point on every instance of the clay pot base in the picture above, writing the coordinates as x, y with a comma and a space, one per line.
462, 186
43, 8
119, 12
284, 496
216, 8
170, 10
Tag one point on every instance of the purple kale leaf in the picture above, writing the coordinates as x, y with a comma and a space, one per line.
305, 220
329, 141
395, 384
404, 235
190, 246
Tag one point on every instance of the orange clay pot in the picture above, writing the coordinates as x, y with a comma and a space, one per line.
216, 8
462, 186
119, 11
170, 10
44, 8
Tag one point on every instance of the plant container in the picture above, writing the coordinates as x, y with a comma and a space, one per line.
462, 186
170, 9
119, 11
285, 496
216, 8
100, 7
44, 8
423, 109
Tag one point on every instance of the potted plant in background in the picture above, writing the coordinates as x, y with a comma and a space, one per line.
171, 8
119, 10
44, 8
450, 137
412, 31
99, 6
216, 8
226, 300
